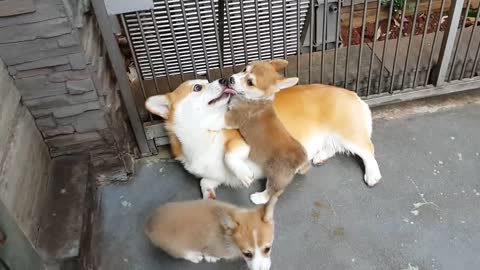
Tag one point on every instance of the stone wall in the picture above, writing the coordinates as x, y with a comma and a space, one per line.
24, 159
56, 58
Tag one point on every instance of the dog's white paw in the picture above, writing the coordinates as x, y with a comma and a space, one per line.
372, 178
209, 193
245, 175
260, 197
210, 259
193, 256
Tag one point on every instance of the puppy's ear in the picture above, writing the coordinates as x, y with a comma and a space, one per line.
268, 209
159, 105
226, 220
286, 82
279, 64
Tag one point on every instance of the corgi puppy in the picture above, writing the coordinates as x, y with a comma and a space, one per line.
324, 119
211, 230
278, 154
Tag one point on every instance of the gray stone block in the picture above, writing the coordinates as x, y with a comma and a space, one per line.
78, 87
61, 130
32, 72
60, 100
73, 139
68, 40
63, 76
38, 87
29, 51
77, 61
63, 67
48, 62
44, 123
66, 111
26, 32
87, 121
44, 10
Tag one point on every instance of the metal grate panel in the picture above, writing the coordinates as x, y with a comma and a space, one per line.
171, 53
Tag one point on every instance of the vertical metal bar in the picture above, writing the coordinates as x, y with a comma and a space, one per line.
362, 39
337, 34
217, 38
189, 40
430, 61
462, 27
412, 33
400, 34
118, 66
470, 42
448, 41
230, 36
271, 27
298, 38
312, 11
377, 20
417, 66
350, 30
162, 53
200, 25
285, 34
135, 62
257, 24
147, 50
221, 27
387, 35
174, 38
324, 34
475, 63
242, 17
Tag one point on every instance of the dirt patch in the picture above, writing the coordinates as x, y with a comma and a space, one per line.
381, 32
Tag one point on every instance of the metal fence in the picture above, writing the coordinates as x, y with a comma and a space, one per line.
383, 51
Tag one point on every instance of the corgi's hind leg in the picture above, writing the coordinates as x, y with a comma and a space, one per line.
276, 184
208, 187
365, 150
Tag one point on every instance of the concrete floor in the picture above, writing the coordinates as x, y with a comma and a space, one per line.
424, 214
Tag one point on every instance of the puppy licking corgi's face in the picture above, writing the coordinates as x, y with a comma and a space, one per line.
194, 98
260, 80
253, 232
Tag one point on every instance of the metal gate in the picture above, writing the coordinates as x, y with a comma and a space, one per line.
383, 50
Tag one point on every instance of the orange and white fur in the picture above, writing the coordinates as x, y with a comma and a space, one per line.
324, 119
211, 230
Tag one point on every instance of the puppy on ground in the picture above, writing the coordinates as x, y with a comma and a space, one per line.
271, 146
211, 230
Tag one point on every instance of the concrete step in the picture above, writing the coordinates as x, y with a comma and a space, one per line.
62, 221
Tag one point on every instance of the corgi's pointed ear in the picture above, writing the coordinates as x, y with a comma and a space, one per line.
269, 207
286, 82
227, 221
159, 105
279, 64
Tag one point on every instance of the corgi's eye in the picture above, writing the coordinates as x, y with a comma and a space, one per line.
244, 69
197, 88
248, 254
250, 82
266, 250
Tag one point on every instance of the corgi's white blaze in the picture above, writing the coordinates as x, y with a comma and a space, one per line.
259, 261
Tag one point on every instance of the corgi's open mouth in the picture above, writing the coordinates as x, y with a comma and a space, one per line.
227, 93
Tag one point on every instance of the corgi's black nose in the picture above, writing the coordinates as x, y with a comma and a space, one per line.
231, 80
223, 82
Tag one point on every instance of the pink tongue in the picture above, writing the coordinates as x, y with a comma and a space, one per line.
229, 91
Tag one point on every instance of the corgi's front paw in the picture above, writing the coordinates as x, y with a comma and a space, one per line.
193, 256
372, 178
210, 259
260, 197
245, 175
